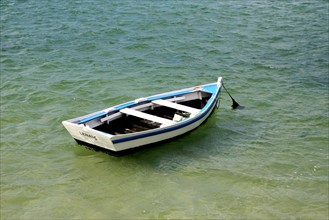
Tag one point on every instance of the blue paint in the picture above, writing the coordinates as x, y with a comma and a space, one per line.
169, 95
210, 88
126, 105
92, 117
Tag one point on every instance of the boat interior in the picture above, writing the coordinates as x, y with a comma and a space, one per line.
148, 115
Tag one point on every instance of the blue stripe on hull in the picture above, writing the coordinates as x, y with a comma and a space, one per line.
92, 117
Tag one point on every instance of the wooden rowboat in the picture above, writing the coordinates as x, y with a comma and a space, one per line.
125, 127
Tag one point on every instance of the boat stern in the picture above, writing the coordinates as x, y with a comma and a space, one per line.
85, 134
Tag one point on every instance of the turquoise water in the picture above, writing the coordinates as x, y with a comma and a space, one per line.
63, 59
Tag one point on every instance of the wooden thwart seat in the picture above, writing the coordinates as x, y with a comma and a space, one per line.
177, 106
146, 116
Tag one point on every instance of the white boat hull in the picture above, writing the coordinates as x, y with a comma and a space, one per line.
84, 132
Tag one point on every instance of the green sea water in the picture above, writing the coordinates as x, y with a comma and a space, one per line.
63, 59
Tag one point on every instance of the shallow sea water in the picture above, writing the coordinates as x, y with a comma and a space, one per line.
63, 59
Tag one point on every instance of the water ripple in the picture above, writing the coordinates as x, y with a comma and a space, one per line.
62, 59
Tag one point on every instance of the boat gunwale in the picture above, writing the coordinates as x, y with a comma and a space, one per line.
89, 117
